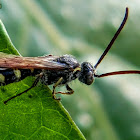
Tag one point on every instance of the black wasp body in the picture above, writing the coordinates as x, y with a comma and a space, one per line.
68, 70
72, 71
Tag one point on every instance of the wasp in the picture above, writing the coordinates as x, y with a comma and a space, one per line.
56, 70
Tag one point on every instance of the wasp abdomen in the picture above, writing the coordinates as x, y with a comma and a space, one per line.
8, 76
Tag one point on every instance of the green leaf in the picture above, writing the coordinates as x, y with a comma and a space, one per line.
35, 114
6, 45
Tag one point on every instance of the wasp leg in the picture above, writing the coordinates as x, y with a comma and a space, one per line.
54, 86
33, 85
69, 92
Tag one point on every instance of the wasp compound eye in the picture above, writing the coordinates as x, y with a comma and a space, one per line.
87, 73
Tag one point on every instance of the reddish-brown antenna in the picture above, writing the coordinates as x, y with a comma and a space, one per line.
118, 73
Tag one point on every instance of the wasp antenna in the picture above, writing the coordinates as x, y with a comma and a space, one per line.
113, 39
118, 73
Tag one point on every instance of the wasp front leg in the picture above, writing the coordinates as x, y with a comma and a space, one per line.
69, 92
54, 86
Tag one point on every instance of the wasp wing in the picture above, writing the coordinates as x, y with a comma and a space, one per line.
17, 62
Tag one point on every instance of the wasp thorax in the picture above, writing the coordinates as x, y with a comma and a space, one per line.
87, 73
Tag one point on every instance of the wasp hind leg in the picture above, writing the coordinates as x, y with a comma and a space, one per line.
69, 92
33, 85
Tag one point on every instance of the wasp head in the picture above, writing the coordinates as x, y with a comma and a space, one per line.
86, 75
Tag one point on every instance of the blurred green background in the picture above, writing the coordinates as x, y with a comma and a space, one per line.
108, 109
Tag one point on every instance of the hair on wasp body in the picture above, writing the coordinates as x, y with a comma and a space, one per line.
56, 70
